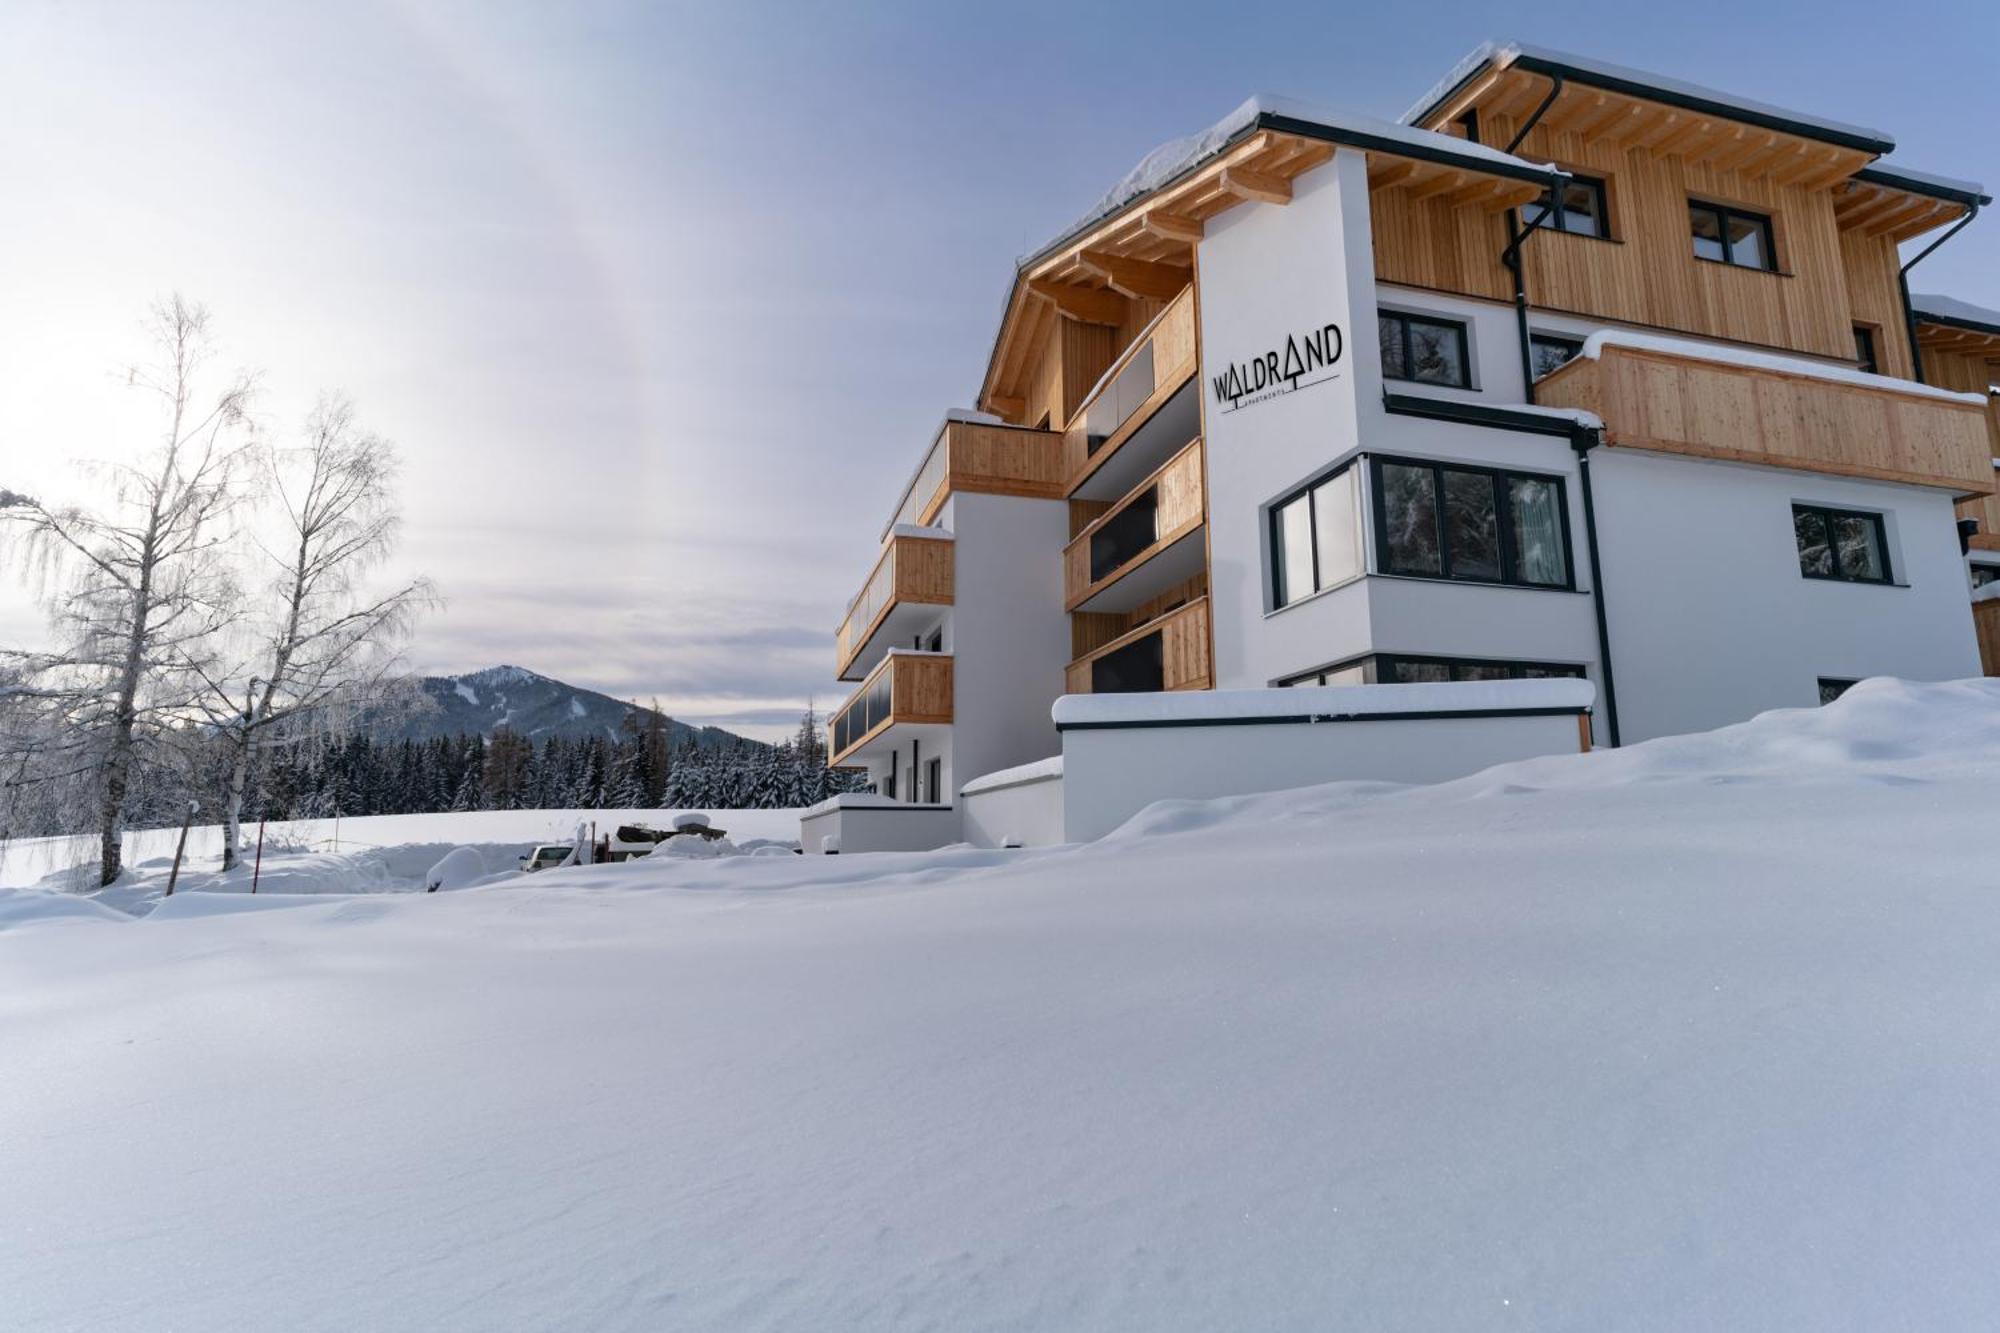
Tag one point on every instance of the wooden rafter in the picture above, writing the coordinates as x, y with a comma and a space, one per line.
1256, 185
1092, 305
1136, 277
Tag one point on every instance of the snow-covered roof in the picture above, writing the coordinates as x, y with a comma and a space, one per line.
1321, 701
1176, 157
1930, 305
920, 530
1655, 87
1726, 355
1923, 182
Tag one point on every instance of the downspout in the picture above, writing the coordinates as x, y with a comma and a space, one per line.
1903, 286
1511, 256
1583, 441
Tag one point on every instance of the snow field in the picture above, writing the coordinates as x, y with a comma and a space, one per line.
1696, 1034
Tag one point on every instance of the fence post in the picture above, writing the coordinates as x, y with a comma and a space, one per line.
174, 875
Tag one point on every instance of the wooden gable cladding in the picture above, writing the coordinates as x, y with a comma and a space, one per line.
1647, 273
1870, 264
1749, 414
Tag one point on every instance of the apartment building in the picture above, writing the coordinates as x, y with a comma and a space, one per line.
1573, 371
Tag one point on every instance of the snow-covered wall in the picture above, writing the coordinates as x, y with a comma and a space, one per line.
1142, 749
867, 823
1018, 807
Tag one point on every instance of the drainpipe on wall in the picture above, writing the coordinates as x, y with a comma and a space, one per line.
1583, 441
1511, 256
1903, 286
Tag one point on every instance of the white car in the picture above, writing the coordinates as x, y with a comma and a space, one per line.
547, 855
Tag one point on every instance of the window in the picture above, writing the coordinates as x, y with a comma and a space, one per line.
1316, 538
1583, 212
1985, 574
1864, 348
1407, 669
934, 781
1831, 688
1841, 544
1732, 236
1547, 351
1477, 524
1424, 350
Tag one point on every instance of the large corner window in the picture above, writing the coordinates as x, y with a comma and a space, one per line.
1841, 544
1408, 669
1316, 537
1424, 350
1582, 212
1477, 525
1732, 236
1551, 351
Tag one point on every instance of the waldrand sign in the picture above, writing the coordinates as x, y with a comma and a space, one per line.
1305, 360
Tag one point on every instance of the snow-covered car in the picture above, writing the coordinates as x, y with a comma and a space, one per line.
630, 840
546, 856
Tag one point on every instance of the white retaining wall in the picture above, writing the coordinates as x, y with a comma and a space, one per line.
867, 823
1016, 807
1122, 752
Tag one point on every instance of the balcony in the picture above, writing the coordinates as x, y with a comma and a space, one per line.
1144, 543
906, 688
1169, 652
983, 456
1139, 383
1986, 508
900, 600
1655, 397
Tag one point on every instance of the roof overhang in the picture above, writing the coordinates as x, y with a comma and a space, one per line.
1639, 86
1143, 247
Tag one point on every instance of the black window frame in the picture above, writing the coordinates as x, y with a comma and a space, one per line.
1724, 214
1509, 553
1376, 668
1601, 195
1978, 567
1275, 533
1827, 513
1540, 338
1405, 318
1866, 356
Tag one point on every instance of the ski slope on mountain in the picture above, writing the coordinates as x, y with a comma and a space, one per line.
1704, 1033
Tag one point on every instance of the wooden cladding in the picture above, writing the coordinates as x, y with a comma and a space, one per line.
1986, 622
994, 460
1746, 414
1168, 348
910, 570
1184, 651
1177, 502
906, 687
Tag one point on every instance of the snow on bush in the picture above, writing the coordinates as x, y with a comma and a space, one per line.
461, 868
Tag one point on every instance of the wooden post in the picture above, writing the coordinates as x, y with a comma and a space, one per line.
174, 875
259, 869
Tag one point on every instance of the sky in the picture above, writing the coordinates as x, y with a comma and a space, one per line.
661, 303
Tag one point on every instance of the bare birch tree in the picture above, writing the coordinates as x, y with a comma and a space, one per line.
321, 646
136, 590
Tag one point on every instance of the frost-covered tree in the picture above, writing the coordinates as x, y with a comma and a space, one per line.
318, 645
136, 588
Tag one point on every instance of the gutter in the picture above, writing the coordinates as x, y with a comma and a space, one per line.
1583, 442
1903, 287
1510, 258
1582, 439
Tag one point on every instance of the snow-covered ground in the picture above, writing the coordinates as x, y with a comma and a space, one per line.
372, 854
1704, 1033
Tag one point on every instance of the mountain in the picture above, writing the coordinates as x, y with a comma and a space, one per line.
534, 706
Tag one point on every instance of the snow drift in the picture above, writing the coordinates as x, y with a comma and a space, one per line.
1698, 1034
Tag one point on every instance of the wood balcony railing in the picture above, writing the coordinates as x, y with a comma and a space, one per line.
1891, 431
1169, 652
1986, 508
984, 457
1159, 511
912, 570
906, 687
1138, 384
